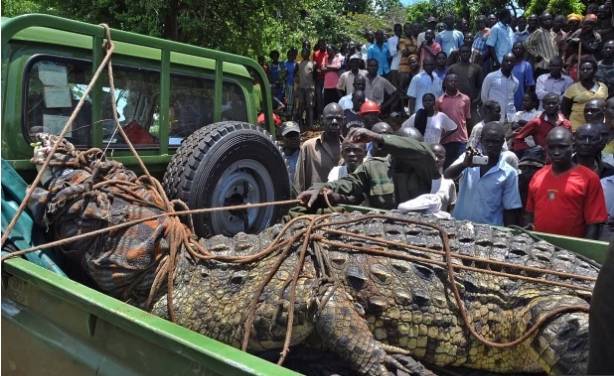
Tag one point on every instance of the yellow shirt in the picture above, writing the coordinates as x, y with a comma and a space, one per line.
579, 95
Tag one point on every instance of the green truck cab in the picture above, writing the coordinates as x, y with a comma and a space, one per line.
183, 107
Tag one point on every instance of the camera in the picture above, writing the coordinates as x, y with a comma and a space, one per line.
480, 160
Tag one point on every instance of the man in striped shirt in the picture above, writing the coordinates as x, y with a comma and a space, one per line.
541, 45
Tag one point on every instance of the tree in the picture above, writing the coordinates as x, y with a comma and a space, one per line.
555, 6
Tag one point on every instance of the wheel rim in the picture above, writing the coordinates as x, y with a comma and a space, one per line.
244, 181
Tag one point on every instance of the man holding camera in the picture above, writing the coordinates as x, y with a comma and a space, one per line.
488, 185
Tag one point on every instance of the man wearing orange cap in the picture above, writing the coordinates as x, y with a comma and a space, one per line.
369, 112
573, 22
587, 36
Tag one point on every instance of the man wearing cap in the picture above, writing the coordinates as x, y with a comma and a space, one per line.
369, 112
431, 24
385, 182
345, 85
291, 134
586, 36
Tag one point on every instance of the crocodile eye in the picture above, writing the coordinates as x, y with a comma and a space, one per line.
238, 277
338, 260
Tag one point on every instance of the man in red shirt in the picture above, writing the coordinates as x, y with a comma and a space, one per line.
565, 198
458, 108
539, 127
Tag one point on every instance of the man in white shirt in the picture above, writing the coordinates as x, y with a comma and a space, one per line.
554, 82
424, 82
364, 49
500, 86
345, 85
431, 24
360, 83
393, 47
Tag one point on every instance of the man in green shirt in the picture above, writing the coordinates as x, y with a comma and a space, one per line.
385, 182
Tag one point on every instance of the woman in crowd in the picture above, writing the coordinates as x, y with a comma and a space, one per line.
579, 93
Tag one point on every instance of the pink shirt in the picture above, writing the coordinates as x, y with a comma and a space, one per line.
458, 108
332, 77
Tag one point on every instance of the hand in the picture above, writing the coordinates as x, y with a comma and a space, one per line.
307, 198
363, 135
469, 154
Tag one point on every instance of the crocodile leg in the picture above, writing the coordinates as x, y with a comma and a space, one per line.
561, 345
343, 330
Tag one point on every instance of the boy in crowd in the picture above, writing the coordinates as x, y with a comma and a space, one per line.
352, 154
538, 128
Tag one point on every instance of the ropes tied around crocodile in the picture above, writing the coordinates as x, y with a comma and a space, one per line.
103, 184
316, 229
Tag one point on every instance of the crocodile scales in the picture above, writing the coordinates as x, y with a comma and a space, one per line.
379, 303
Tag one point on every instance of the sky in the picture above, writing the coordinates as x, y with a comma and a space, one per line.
410, 2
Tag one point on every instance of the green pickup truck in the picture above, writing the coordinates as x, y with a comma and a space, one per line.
53, 325
166, 92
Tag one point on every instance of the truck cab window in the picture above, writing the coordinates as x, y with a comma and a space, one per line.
54, 87
191, 106
233, 102
137, 101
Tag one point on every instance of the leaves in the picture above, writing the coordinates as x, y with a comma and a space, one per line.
255, 27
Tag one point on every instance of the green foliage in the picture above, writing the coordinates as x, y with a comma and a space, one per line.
555, 6
12, 8
255, 27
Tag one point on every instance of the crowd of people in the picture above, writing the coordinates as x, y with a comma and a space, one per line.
509, 124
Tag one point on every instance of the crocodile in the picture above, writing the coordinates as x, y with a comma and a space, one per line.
381, 306
370, 308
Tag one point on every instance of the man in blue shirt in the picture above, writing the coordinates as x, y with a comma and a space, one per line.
379, 51
501, 39
450, 39
488, 192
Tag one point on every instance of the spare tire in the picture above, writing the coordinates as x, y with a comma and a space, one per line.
229, 163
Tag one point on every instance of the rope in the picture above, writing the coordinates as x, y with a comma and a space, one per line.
110, 47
